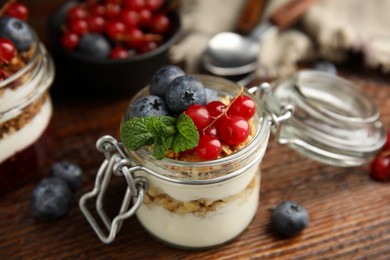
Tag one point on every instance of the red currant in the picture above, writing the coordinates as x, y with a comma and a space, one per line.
242, 106
134, 38
70, 40
17, 10
199, 115
130, 18
115, 29
215, 108
380, 168
211, 130
148, 46
98, 10
209, 147
153, 5
118, 52
76, 13
96, 24
135, 5
78, 27
145, 17
233, 129
7, 50
160, 24
113, 10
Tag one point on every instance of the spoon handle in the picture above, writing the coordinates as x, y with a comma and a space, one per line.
290, 12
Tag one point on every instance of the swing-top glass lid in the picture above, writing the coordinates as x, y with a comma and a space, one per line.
333, 121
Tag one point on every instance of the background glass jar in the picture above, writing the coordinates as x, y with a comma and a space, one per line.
25, 113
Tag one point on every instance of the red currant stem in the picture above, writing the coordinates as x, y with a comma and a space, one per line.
5, 6
225, 111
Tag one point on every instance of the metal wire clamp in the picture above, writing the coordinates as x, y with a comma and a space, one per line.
117, 162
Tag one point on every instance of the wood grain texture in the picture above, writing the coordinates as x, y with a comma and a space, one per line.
349, 212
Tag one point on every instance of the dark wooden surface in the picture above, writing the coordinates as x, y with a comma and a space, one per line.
349, 212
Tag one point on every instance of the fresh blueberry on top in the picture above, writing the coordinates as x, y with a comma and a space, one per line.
71, 173
94, 45
325, 66
16, 31
185, 91
51, 198
289, 218
149, 106
162, 78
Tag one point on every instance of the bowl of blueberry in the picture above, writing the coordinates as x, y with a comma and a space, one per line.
113, 46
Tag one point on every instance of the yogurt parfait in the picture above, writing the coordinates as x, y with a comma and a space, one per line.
26, 72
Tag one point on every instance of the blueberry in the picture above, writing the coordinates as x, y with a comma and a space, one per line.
71, 173
16, 31
51, 198
183, 92
149, 106
162, 78
94, 45
325, 66
289, 218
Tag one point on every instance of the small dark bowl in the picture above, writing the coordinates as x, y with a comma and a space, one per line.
108, 77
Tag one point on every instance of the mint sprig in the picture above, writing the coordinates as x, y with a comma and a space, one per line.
163, 132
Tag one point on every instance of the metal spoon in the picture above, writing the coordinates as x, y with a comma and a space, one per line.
231, 54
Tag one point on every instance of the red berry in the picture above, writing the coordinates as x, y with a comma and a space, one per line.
134, 38
135, 5
209, 147
17, 10
113, 10
160, 24
98, 10
148, 46
215, 108
233, 129
199, 115
380, 168
76, 13
115, 29
242, 106
145, 17
78, 27
118, 52
96, 24
7, 50
130, 18
153, 5
211, 130
70, 40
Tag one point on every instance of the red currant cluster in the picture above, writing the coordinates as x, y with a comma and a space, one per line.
380, 166
8, 50
218, 123
131, 26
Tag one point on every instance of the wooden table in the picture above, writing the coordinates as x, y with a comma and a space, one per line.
349, 212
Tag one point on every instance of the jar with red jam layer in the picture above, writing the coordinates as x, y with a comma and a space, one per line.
25, 114
203, 204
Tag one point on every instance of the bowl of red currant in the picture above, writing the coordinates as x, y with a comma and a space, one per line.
114, 45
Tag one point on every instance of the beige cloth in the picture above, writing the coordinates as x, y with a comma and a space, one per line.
330, 30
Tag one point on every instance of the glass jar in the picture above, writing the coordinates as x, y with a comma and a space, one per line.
197, 205
25, 113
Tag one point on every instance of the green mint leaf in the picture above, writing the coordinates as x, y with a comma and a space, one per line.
140, 131
187, 136
161, 146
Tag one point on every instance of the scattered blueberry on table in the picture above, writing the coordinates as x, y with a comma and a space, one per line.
289, 219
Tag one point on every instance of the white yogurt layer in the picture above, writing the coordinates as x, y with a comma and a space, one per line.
24, 137
213, 228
